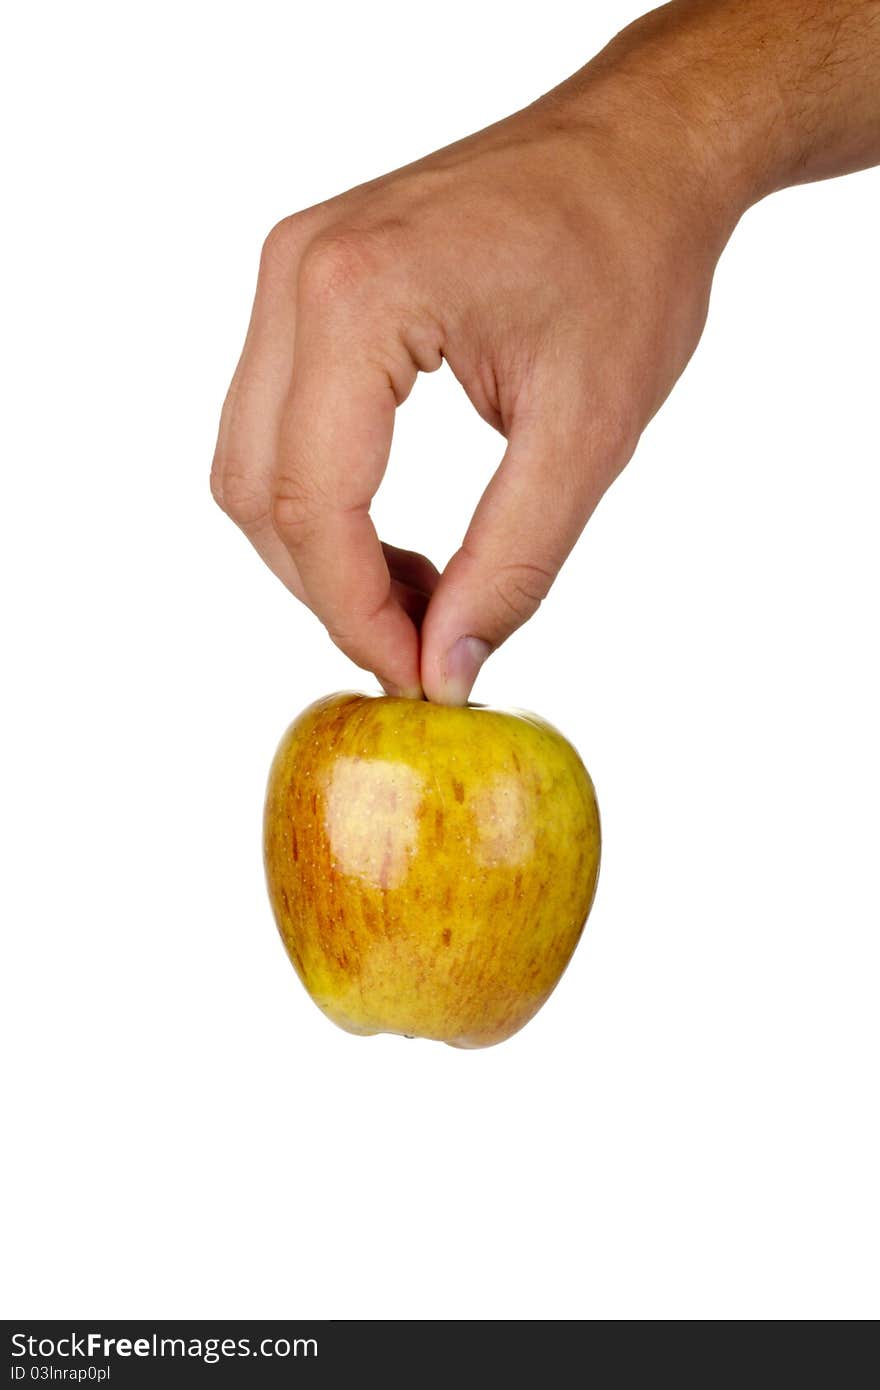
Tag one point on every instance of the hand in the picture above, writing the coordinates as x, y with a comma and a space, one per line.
561, 263
565, 284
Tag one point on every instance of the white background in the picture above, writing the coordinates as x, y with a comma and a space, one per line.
689, 1128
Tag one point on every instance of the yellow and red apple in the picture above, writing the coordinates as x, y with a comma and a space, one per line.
430, 868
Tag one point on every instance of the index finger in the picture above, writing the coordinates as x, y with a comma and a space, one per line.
333, 449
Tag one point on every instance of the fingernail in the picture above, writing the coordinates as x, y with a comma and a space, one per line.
461, 668
398, 693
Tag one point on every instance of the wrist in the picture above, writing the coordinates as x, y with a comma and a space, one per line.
756, 95
686, 82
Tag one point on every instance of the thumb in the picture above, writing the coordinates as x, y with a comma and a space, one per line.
550, 479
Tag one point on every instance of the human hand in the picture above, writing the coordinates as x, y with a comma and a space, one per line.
561, 263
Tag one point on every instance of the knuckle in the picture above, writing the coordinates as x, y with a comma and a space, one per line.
348, 636
216, 484
334, 264
520, 590
340, 637
295, 512
239, 494
284, 242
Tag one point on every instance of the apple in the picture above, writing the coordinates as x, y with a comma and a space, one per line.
430, 868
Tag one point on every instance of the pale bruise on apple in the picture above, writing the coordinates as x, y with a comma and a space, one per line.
430, 868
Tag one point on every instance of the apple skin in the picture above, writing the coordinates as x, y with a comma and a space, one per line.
430, 868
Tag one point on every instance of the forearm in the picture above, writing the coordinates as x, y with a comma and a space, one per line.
759, 94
